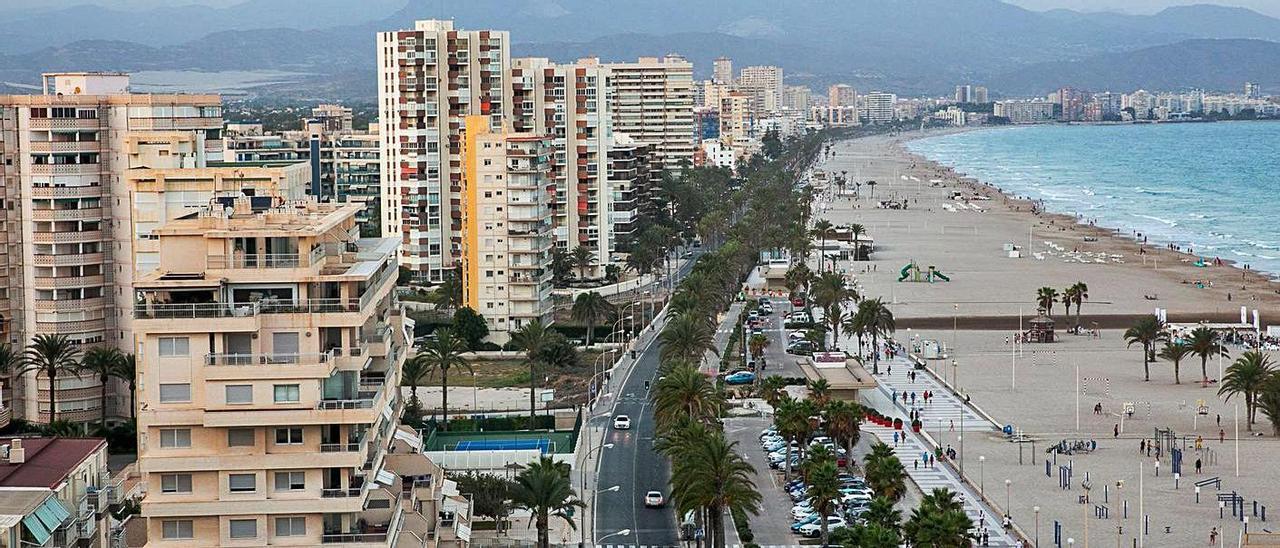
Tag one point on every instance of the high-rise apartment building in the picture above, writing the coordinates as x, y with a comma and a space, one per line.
653, 104
737, 121
879, 107
980, 95
64, 252
506, 227
269, 354
842, 105
1252, 90
796, 98
722, 71
569, 104
632, 176
430, 78
764, 84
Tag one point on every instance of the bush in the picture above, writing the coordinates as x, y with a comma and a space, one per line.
501, 424
743, 526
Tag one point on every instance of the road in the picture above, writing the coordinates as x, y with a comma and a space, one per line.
631, 464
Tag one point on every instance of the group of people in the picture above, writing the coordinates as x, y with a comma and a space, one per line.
910, 397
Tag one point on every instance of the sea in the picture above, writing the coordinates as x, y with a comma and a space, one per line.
1210, 187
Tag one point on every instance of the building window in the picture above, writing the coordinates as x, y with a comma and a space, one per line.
286, 393
240, 437
178, 529
242, 483
174, 347
173, 438
289, 436
175, 393
291, 481
175, 483
244, 528
239, 393
294, 526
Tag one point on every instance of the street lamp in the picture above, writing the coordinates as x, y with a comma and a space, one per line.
982, 475
955, 372
621, 533
1036, 509
1008, 488
592, 505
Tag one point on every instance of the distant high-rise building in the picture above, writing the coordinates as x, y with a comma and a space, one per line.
1071, 104
879, 107
796, 97
842, 104
737, 120
653, 104
1025, 112
1252, 90
764, 85
430, 78
980, 95
722, 70
964, 94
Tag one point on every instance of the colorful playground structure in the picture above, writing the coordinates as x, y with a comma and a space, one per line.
913, 273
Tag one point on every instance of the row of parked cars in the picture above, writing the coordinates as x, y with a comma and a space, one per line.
855, 494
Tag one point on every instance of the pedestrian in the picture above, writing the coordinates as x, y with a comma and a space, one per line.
932, 462
895, 439
913, 398
953, 425
986, 539
915, 464
1213, 537
1116, 430
1219, 417
1198, 464
1222, 436
1142, 446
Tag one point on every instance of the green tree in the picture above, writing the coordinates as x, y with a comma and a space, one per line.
1206, 343
470, 326
490, 495
100, 362
823, 229
1045, 297
715, 477
857, 231
882, 512
439, 356
791, 418
561, 265
844, 419
544, 489
448, 295
819, 392
127, 371
683, 391
1269, 402
591, 308
1175, 352
53, 355
1079, 294
757, 345
10, 362
1247, 377
823, 490
885, 473
1147, 331
938, 522
879, 323
414, 374
686, 338
582, 259
772, 388
532, 338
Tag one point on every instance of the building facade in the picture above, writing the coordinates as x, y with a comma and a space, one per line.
653, 104
633, 175
764, 84
879, 107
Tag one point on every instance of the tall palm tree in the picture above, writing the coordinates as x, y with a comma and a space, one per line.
879, 323
1147, 331
1045, 297
127, 371
582, 259
792, 421
545, 490
715, 477
101, 362
822, 229
1269, 402
414, 374
757, 345
687, 338
844, 420
53, 355
1175, 352
1079, 294
1204, 342
798, 276
1068, 297
881, 512
823, 490
683, 391
938, 526
442, 354
10, 362
591, 308
772, 389
856, 324
532, 338
1247, 377
857, 231
820, 392
885, 473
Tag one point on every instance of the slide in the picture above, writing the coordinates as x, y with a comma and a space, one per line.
941, 276
906, 271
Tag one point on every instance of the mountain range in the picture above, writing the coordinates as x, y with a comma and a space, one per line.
907, 46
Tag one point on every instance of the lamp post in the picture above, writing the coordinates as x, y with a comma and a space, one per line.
621, 533
982, 475
592, 504
1008, 489
1036, 509
955, 372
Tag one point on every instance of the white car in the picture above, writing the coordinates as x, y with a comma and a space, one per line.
622, 422
814, 529
653, 499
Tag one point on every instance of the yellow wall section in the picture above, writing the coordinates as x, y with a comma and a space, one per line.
475, 126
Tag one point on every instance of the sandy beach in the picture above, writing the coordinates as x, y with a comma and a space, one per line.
1036, 389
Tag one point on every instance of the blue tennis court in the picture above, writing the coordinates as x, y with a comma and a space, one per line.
543, 445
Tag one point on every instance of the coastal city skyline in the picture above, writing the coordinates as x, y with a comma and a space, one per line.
552, 275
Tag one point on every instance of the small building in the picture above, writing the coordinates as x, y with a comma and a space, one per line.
53, 492
1041, 329
845, 375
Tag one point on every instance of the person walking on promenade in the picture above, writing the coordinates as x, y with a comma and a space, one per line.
1213, 537
1116, 430
1222, 436
1142, 446
1198, 464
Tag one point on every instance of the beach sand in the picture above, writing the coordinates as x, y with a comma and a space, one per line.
987, 294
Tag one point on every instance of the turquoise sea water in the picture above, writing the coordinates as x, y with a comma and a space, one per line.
1213, 187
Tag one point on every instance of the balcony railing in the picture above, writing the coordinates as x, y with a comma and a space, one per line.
364, 400
243, 309
340, 493
268, 359
350, 447
341, 538
271, 260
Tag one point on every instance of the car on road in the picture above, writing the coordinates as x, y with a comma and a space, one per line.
622, 422
753, 315
814, 530
796, 336
653, 499
801, 348
741, 377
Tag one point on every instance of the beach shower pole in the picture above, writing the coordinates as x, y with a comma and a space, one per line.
1077, 397
1237, 421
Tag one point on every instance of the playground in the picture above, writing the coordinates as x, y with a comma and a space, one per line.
913, 273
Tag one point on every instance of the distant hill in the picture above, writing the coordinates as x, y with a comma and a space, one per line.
1208, 64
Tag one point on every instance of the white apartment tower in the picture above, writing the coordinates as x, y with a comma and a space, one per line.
764, 84
722, 71
430, 78
653, 103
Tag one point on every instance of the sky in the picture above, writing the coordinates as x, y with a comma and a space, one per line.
1268, 7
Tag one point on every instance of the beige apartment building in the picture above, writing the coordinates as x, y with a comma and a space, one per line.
764, 84
569, 104
430, 78
269, 353
507, 235
64, 155
653, 103
737, 122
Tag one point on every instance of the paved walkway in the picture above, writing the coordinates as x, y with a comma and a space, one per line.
945, 409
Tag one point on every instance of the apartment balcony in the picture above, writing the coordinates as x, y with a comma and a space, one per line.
260, 261
69, 305
269, 366
66, 169
68, 281
70, 236
249, 461
78, 326
89, 213
65, 146
65, 123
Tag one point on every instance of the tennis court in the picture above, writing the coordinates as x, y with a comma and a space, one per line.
541, 444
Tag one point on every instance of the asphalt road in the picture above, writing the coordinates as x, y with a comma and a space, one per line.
632, 465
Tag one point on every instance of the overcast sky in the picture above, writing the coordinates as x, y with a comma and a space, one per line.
1269, 7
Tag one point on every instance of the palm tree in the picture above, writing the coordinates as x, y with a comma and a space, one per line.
562, 264
1045, 297
10, 362
442, 354
757, 345
715, 477
1147, 331
1079, 294
820, 392
938, 522
1068, 298
879, 323
1247, 376
857, 231
798, 276
687, 338
52, 355
885, 473
683, 391
582, 259
1269, 402
823, 490
414, 374
875, 535
544, 489
100, 362
792, 421
843, 425
1175, 352
1204, 342
590, 308
830, 292
772, 389
127, 371
881, 512
822, 229
532, 338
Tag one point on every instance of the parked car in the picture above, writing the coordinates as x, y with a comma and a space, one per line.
801, 348
741, 377
622, 422
814, 530
653, 499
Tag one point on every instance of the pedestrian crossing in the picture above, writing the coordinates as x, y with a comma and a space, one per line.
943, 410
913, 452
